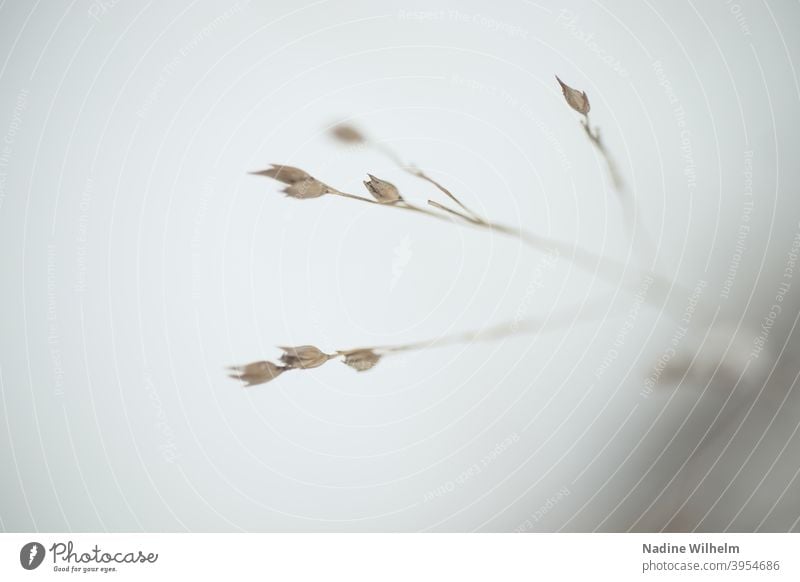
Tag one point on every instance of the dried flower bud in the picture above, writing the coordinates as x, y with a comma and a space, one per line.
575, 99
310, 188
347, 134
257, 372
285, 174
383, 191
304, 357
361, 360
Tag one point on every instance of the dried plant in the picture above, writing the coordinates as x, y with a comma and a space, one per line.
575, 99
365, 358
579, 101
383, 191
387, 195
304, 357
257, 372
302, 185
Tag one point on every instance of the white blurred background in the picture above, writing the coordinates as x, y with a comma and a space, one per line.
140, 259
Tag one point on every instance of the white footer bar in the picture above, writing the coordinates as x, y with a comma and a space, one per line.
406, 557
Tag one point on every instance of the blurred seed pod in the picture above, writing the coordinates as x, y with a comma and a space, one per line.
285, 174
309, 188
361, 360
575, 99
347, 133
257, 372
383, 191
304, 357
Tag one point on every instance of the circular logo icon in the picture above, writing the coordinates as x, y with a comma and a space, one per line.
31, 555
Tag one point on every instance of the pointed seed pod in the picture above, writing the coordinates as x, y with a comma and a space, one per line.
257, 372
304, 357
383, 191
285, 174
575, 99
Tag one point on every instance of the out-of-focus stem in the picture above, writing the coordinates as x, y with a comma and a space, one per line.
610, 270
499, 331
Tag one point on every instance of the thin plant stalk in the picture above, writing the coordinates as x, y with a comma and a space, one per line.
365, 358
607, 268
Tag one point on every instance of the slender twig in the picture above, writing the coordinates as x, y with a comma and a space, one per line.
630, 213
348, 133
594, 136
365, 358
609, 269
352, 196
579, 102
420, 174
302, 185
469, 219
506, 329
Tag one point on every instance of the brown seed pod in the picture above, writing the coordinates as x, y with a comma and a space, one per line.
383, 191
309, 188
304, 357
285, 174
347, 133
257, 372
361, 360
575, 99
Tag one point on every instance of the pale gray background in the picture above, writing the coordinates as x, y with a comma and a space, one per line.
139, 259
